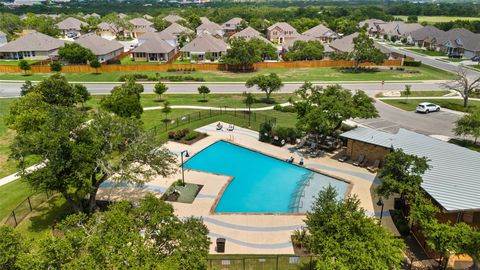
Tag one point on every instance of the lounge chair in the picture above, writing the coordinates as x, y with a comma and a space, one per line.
374, 168
219, 126
231, 127
359, 160
343, 158
301, 143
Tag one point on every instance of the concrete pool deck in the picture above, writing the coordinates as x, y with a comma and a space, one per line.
250, 233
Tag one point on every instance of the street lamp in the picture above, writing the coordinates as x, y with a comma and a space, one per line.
380, 203
181, 156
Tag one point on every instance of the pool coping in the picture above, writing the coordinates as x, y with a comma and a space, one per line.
230, 178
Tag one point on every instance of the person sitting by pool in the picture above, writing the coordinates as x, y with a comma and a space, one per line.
219, 126
301, 162
290, 160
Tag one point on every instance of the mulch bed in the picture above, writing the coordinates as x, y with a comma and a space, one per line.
190, 142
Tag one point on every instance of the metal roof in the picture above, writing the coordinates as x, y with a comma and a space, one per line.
453, 180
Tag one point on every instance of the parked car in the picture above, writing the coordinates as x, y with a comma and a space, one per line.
475, 58
426, 107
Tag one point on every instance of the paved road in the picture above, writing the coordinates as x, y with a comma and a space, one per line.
435, 63
391, 119
12, 89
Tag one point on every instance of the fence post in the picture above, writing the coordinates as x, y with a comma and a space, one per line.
29, 203
276, 263
14, 218
310, 264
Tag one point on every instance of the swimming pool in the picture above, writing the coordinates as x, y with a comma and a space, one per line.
261, 184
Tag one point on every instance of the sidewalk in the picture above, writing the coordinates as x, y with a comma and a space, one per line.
16, 176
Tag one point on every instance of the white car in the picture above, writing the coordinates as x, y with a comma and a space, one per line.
426, 107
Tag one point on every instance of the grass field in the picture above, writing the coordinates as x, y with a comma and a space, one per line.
432, 93
15, 62
286, 74
426, 52
452, 104
129, 61
435, 19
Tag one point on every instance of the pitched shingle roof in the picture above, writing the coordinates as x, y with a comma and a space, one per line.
452, 181
399, 28
371, 23
282, 25
173, 18
71, 23
249, 33
344, 44
156, 35
98, 45
462, 38
427, 32
175, 29
320, 31
205, 43
288, 43
232, 23
204, 19
33, 42
140, 22
154, 45
104, 26
210, 28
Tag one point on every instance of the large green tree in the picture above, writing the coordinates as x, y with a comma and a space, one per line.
468, 125
144, 235
11, 248
322, 110
401, 173
43, 24
10, 24
266, 83
160, 24
124, 100
74, 53
344, 237
364, 50
305, 50
244, 54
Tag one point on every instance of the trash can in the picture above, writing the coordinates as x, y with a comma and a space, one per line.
221, 245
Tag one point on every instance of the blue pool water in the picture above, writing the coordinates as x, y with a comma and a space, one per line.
261, 184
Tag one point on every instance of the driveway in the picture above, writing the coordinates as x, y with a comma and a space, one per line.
392, 119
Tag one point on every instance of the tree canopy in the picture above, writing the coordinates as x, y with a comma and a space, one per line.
160, 24
468, 125
305, 50
43, 24
322, 110
344, 237
266, 83
245, 53
143, 235
364, 50
74, 53
124, 100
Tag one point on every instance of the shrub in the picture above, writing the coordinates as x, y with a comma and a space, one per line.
265, 132
285, 133
411, 63
191, 136
400, 68
136, 76
280, 108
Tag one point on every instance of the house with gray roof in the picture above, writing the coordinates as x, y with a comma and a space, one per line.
346, 45
3, 38
322, 33
154, 49
71, 27
210, 28
289, 43
250, 33
169, 38
107, 30
35, 45
204, 19
281, 32
231, 26
140, 26
423, 37
372, 26
103, 48
452, 182
176, 30
92, 15
173, 18
202, 46
459, 41
398, 29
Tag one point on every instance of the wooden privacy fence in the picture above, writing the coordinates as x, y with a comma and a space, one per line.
200, 66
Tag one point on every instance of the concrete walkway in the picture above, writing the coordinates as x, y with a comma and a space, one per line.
15, 176
267, 108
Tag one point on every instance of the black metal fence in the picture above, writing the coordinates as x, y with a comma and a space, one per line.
241, 118
26, 207
268, 262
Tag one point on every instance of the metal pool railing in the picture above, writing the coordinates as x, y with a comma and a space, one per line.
299, 193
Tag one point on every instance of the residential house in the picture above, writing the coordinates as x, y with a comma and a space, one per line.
122, 15
232, 26
322, 33
372, 26
203, 45
176, 30
147, 17
398, 29
452, 181
92, 15
103, 49
3, 38
204, 19
281, 32
287, 44
173, 18
249, 33
169, 38
210, 28
107, 30
155, 49
32, 46
71, 27
140, 27
346, 45
425, 37
460, 41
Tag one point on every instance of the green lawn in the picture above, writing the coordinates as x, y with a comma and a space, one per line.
432, 93
185, 61
435, 19
129, 61
15, 62
465, 143
454, 60
475, 66
12, 194
452, 104
426, 52
286, 74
